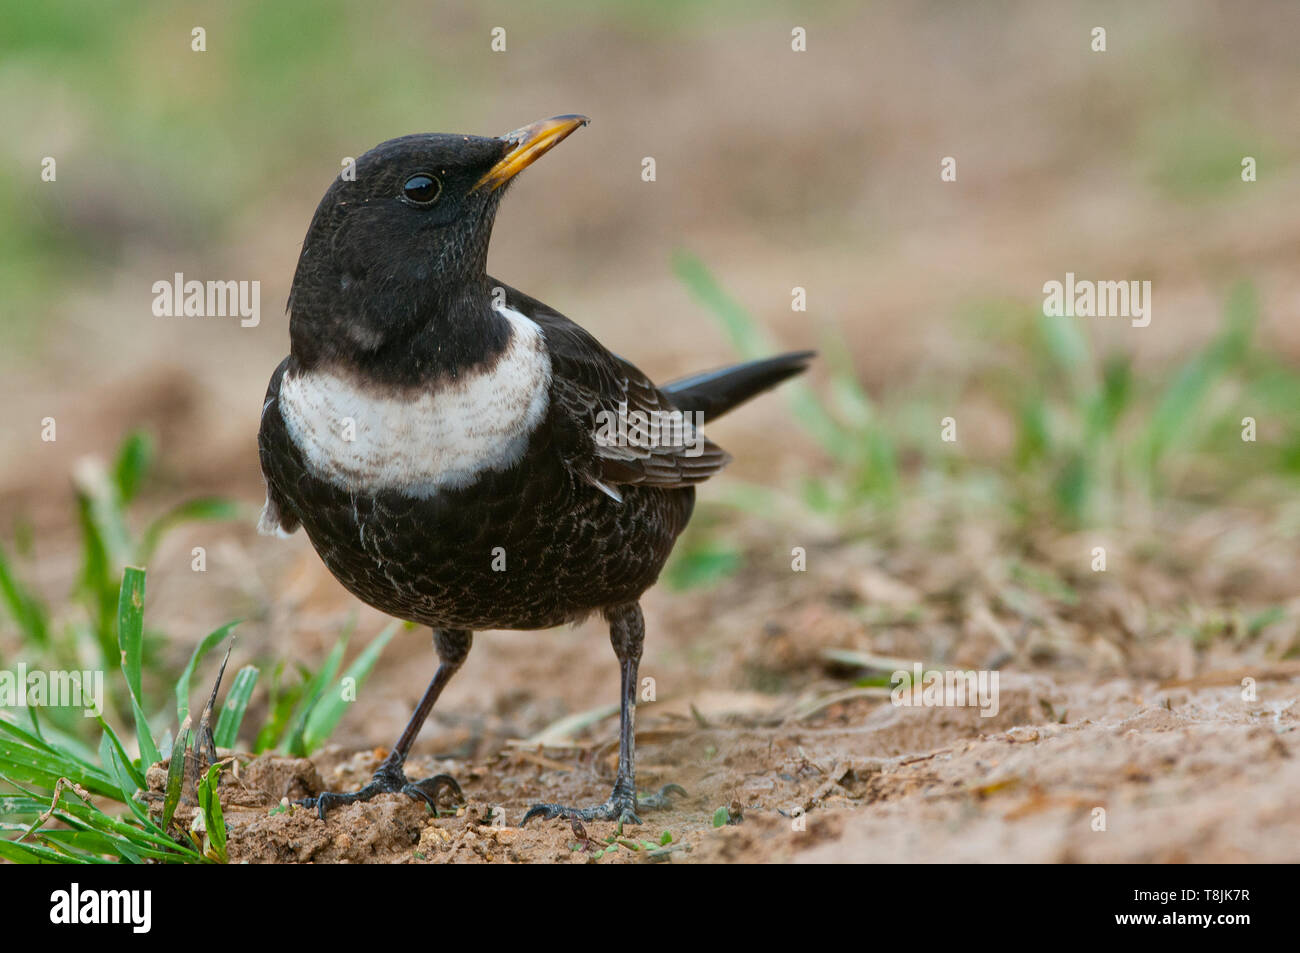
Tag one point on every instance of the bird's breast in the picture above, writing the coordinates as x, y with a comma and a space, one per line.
421, 441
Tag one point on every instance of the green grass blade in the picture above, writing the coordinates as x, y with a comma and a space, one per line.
1067, 346
148, 750
746, 336
94, 843
206, 509
27, 611
60, 741
106, 549
1177, 407
325, 715
134, 460
751, 342
213, 820
25, 853
31, 764
176, 775
703, 562
130, 627
187, 674
130, 636
94, 830
232, 712
20, 747
281, 705
120, 762
311, 694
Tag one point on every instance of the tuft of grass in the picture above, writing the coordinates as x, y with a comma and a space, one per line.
1093, 438
701, 561
56, 764
86, 633
1176, 412
301, 717
24, 607
1091, 434
233, 711
53, 817
321, 719
206, 645
213, 825
845, 423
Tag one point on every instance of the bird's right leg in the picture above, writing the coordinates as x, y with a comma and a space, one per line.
453, 646
627, 635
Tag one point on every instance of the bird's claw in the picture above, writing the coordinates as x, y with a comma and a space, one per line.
611, 810
428, 789
660, 800
387, 780
622, 809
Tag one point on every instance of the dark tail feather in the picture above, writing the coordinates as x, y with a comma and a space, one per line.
716, 392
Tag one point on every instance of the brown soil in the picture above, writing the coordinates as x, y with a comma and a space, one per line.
1181, 774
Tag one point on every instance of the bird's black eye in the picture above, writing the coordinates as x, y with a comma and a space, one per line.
421, 189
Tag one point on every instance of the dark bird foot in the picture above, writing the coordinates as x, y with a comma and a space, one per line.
620, 808
388, 779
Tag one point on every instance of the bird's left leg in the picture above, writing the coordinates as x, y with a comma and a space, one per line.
453, 646
627, 635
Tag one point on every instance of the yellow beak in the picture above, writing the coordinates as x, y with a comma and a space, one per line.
529, 144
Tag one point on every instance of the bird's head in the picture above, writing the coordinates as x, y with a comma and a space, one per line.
405, 234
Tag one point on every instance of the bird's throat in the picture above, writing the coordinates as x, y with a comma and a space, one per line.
407, 345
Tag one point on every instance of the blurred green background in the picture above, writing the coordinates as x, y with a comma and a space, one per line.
776, 169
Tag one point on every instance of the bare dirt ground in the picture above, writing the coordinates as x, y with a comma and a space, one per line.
1205, 778
1118, 737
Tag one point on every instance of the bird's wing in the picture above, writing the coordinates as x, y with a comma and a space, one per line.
277, 519
615, 426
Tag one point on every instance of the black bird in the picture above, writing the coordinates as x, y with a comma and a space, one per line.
463, 456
